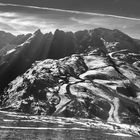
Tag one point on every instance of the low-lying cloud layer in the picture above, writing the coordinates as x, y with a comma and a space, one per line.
19, 19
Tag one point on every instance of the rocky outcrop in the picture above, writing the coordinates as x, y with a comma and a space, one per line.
87, 86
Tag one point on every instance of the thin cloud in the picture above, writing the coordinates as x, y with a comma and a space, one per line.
19, 23
8, 14
71, 11
7, 27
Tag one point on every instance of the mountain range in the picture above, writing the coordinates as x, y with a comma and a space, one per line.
86, 74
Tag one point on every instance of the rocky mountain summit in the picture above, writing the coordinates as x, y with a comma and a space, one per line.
87, 74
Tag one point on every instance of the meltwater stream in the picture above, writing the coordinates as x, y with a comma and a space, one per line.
15, 126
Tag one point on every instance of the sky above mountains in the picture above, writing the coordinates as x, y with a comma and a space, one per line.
119, 7
22, 16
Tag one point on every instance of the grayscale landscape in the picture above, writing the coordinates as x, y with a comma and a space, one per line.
69, 70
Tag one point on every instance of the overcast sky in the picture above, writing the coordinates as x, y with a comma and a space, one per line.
23, 16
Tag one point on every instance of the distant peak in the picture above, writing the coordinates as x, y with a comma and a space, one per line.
38, 32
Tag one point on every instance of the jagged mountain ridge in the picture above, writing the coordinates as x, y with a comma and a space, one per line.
10, 44
5, 38
102, 80
18, 58
8, 39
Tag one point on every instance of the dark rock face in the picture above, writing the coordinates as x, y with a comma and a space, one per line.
63, 44
83, 39
86, 86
